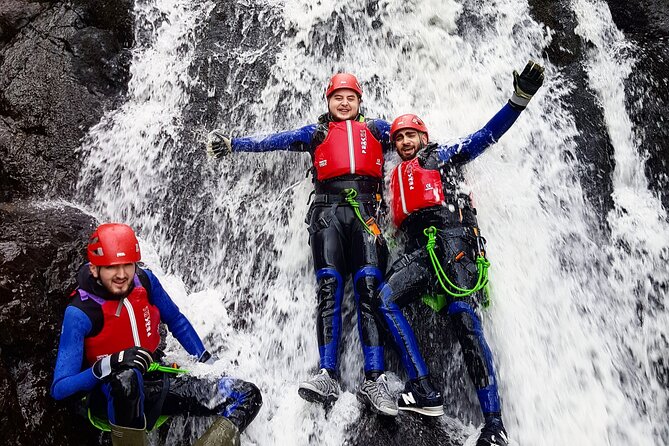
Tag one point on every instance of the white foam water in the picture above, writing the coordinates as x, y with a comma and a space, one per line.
577, 322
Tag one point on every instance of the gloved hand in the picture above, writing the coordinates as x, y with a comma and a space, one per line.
131, 358
207, 358
218, 144
526, 84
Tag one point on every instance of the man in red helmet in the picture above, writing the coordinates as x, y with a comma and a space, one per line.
108, 352
347, 158
444, 254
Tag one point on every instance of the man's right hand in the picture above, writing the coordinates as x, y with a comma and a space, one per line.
131, 358
218, 144
526, 84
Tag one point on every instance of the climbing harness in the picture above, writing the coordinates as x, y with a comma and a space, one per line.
482, 265
370, 224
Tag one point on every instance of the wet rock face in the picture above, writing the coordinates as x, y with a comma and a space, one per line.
646, 23
40, 248
594, 152
61, 65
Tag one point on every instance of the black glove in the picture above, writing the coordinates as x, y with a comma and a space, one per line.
218, 144
131, 358
207, 358
526, 84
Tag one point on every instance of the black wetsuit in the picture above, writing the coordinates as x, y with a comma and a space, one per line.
457, 247
340, 244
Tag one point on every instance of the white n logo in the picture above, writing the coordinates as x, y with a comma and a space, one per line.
408, 398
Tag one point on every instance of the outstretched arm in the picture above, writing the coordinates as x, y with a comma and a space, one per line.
299, 140
176, 322
525, 85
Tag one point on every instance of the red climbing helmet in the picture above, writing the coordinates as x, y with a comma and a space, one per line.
113, 244
408, 121
343, 80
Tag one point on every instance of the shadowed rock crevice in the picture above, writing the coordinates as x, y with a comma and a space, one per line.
646, 23
594, 152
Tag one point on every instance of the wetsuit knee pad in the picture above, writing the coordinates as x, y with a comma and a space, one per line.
330, 284
465, 312
241, 401
365, 282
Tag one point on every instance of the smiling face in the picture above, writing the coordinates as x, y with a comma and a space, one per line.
344, 104
408, 142
116, 278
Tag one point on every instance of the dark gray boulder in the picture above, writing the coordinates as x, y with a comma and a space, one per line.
41, 245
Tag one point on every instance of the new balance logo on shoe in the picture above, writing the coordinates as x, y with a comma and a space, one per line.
408, 398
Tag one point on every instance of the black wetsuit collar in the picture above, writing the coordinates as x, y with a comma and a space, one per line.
90, 284
327, 117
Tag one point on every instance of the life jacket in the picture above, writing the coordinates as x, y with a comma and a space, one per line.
412, 188
349, 148
131, 321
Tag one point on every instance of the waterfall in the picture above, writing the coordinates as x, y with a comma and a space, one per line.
578, 321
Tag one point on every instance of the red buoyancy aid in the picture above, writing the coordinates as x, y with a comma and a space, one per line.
132, 321
349, 148
412, 188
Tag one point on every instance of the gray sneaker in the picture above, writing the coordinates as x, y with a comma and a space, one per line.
376, 396
319, 389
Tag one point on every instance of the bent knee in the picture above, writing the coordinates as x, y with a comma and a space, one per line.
126, 384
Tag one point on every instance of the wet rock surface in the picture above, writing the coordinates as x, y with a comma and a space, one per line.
40, 247
594, 152
61, 65
646, 23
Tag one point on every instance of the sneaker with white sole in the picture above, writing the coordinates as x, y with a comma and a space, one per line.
375, 395
419, 396
321, 388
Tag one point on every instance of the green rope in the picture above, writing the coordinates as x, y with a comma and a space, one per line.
350, 199
482, 265
163, 368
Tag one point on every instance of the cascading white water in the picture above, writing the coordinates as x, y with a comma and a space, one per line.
576, 323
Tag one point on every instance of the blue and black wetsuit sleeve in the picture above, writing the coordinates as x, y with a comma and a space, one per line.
298, 140
176, 322
381, 131
69, 378
475, 144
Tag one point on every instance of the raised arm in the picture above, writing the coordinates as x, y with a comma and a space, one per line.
299, 140
525, 85
475, 144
